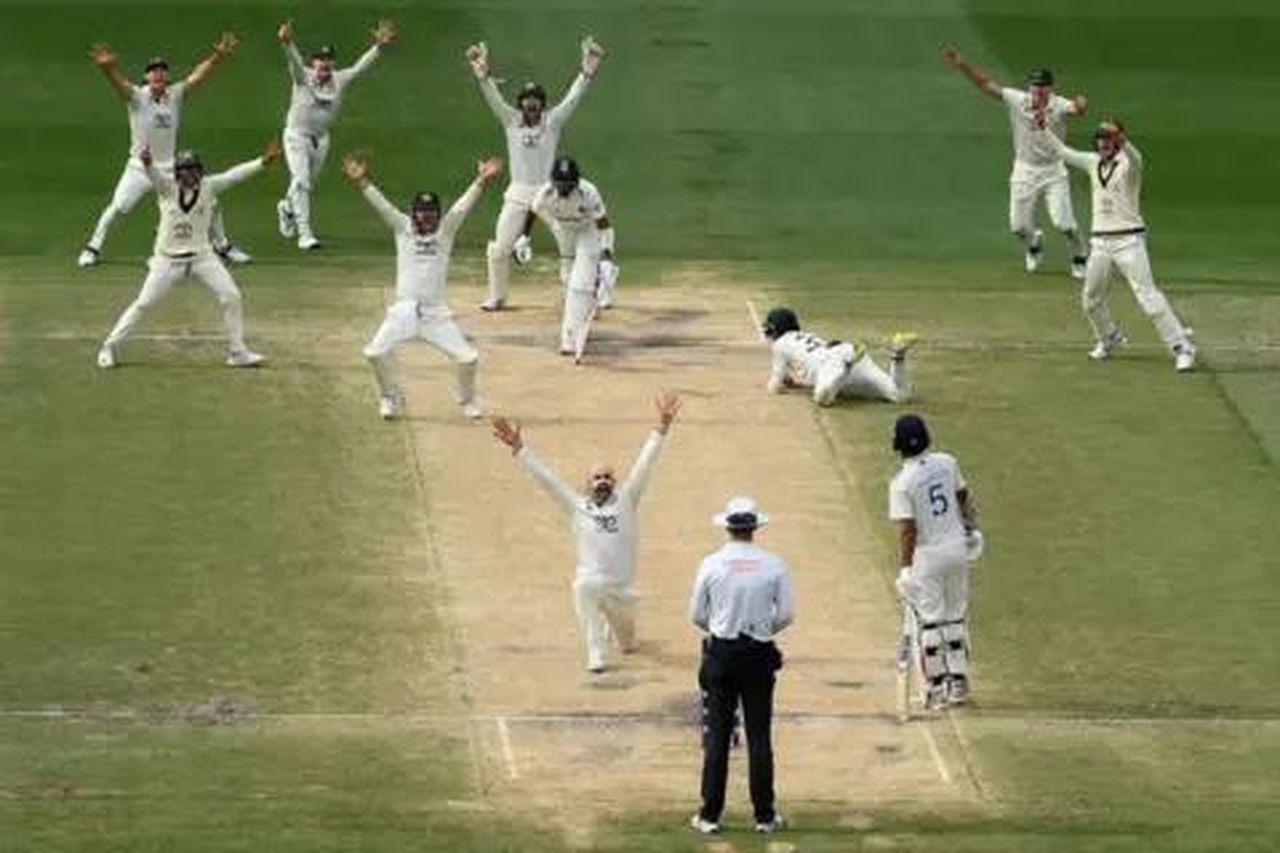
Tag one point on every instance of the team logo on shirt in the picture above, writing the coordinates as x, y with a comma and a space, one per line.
163, 121
426, 248
606, 523
531, 140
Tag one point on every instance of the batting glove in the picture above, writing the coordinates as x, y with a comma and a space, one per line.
522, 250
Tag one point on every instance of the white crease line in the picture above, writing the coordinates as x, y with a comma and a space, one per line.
508, 751
937, 756
755, 319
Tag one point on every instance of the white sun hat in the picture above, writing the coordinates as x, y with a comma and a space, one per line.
740, 513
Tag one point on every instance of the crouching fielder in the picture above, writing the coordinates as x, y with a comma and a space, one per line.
833, 369
604, 525
424, 242
1120, 242
188, 202
938, 538
574, 207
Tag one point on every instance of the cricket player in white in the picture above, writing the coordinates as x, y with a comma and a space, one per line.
1120, 242
580, 223
605, 531
188, 201
938, 538
316, 99
155, 112
424, 243
833, 369
1037, 169
533, 135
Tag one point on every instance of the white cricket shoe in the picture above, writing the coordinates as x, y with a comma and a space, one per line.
472, 411
1034, 251
706, 827
245, 358
935, 698
231, 253
390, 408
1103, 349
89, 257
107, 357
492, 304
771, 826
308, 243
1184, 358
900, 342
958, 690
285, 220
1078, 264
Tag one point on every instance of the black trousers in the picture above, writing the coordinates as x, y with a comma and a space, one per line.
733, 671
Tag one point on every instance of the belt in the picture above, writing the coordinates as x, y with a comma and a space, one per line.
182, 256
1127, 232
740, 640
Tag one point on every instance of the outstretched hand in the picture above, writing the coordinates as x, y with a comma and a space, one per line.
274, 151
355, 166
225, 44
384, 33
951, 55
508, 433
285, 32
488, 168
668, 406
102, 55
592, 53
478, 57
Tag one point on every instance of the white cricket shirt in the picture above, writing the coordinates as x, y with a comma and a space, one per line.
742, 589
422, 260
576, 213
153, 122
604, 535
924, 490
1117, 188
797, 356
313, 106
185, 215
1032, 157
532, 149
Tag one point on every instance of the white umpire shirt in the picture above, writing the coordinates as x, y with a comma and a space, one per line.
742, 590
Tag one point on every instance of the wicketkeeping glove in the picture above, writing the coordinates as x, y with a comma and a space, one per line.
522, 250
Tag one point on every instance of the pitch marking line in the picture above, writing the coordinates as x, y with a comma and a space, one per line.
508, 751
943, 772
755, 320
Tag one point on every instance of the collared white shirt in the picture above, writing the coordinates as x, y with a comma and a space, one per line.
313, 105
422, 260
532, 149
1117, 187
1032, 156
185, 215
153, 123
925, 491
740, 590
798, 356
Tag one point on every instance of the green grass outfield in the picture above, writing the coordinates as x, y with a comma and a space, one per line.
184, 548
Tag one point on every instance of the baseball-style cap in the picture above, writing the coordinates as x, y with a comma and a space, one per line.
157, 62
1040, 77
324, 51
740, 513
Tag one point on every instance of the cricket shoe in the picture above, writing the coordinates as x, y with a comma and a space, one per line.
958, 690
492, 304
770, 826
1103, 349
935, 698
89, 257
1184, 357
390, 408
245, 358
308, 243
471, 411
900, 342
1035, 251
233, 254
701, 824
285, 220
107, 357
1078, 265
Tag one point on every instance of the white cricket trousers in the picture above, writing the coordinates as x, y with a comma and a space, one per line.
516, 204
163, 272
1026, 192
841, 374
579, 273
407, 320
305, 155
935, 588
132, 187
1128, 254
606, 609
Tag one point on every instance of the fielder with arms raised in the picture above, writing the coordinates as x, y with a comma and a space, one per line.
424, 244
318, 90
1037, 169
188, 202
938, 538
533, 134
1120, 242
605, 531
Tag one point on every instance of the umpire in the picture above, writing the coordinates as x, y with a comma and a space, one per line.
741, 599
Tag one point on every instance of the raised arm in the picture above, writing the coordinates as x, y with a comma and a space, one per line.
1121, 137
222, 48
592, 54
509, 434
297, 69
1080, 159
246, 170
478, 59
383, 34
162, 184
486, 171
107, 63
984, 81
355, 167
668, 406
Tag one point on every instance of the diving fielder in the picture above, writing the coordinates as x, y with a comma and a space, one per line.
833, 369
605, 529
938, 539
318, 90
1037, 168
533, 133
188, 201
424, 243
155, 111
1120, 242
580, 223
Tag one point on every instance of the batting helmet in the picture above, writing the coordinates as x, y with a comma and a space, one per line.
565, 175
157, 62
779, 321
532, 90
910, 435
1040, 77
187, 160
425, 201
